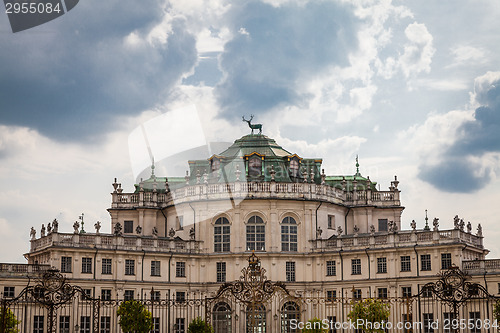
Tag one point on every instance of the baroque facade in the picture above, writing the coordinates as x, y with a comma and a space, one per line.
323, 236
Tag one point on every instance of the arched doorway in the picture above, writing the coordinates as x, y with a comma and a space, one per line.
221, 318
289, 311
256, 319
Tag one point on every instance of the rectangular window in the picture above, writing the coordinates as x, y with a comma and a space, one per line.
382, 265
128, 227
221, 272
445, 260
180, 325
425, 261
475, 321
65, 264
64, 324
405, 264
356, 294
105, 324
428, 319
8, 292
406, 291
355, 266
331, 324
331, 295
382, 224
106, 294
38, 322
382, 292
156, 325
427, 292
155, 268
128, 295
222, 237
331, 221
407, 319
155, 295
290, 271
106, 266
180, 269
331, 268
447, 318
84, 324
256, 238
180, 296
129, 267
88, 292
86, 265
180, 222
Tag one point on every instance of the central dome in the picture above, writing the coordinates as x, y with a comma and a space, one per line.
255, 143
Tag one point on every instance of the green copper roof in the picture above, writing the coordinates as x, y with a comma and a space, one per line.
258, 143
273, 162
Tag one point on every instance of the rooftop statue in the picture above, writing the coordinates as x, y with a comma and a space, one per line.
254, 126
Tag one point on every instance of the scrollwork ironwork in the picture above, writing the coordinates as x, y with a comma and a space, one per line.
252, 290
52, 290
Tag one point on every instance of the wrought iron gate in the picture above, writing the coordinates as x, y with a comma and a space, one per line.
252, 304
40, 303
453, 304
253, 294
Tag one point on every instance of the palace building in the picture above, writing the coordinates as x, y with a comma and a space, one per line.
324, 236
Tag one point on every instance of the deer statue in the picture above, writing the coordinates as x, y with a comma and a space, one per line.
254, 126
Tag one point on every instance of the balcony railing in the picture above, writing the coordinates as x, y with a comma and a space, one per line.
401, 238
481, 266
108, 241
21, 269
256, 190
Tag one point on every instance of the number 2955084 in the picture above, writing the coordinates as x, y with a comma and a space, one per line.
32, 8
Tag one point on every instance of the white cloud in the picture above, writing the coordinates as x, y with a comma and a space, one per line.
450, 84
418, 52
430, 139
244, 32
209, 41
337, 153
482, 85
466, 54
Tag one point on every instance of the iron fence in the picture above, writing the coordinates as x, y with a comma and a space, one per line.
252, 304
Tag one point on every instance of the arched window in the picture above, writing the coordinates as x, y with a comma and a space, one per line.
254, 167
289, 311
294, 167
256, 234
221, 318
222, 238
289, 234
215, 164
256, 319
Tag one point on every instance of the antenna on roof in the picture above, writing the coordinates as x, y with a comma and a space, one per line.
357, 165
153, 167
150, 152
426, 221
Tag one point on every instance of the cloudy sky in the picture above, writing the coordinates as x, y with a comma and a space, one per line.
413, 87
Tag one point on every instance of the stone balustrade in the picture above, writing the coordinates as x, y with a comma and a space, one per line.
481, 266
352, 242
401, 238
21, 269
256, 190
108, 241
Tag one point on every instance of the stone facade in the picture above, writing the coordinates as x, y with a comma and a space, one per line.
317, 233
